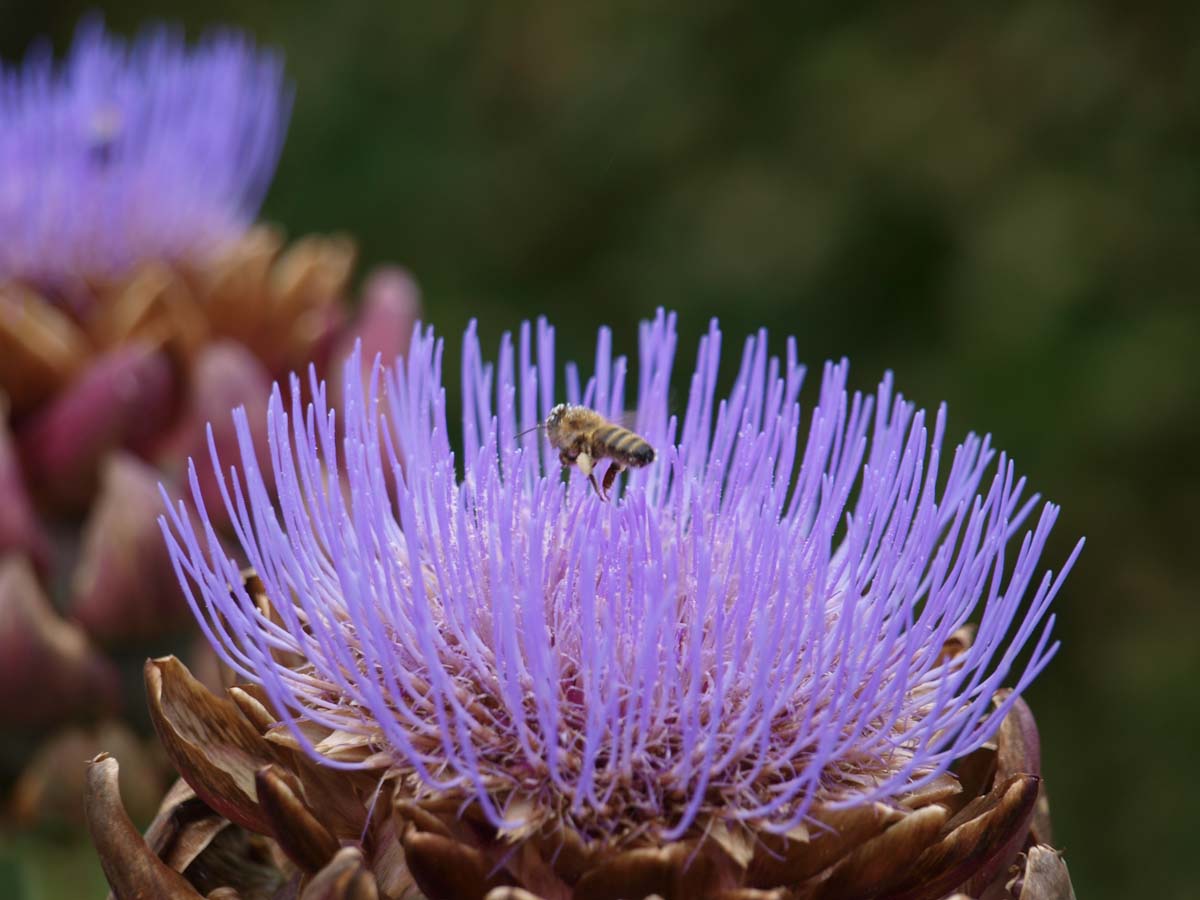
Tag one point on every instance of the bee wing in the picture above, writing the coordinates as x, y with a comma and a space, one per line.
627, 419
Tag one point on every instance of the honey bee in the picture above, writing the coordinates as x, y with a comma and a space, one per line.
583, 437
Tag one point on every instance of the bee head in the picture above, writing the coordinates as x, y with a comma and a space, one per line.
554, 420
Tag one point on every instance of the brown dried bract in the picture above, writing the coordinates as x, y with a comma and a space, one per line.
364, 835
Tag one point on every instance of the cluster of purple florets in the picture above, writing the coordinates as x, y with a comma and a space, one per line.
754, 625
123, 153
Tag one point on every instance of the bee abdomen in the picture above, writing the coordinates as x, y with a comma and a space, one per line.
608, 436
631, 448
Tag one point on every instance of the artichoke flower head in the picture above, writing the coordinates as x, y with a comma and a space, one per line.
769, 667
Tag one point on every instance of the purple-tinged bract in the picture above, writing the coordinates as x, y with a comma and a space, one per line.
123, 153
753, 627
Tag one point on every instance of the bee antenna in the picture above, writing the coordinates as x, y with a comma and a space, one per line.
536, 427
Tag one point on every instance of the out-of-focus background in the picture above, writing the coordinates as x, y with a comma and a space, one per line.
1001, 204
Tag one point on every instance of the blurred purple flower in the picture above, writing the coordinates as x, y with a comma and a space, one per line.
754, 627
123, 153
139, 300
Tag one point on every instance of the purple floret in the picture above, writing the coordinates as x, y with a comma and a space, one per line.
754, 624
123, 153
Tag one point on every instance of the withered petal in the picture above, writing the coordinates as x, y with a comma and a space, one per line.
1046, 875
407, 812
883, 861
778, 861
975, 848
184, 827
155, 305
385, 857
304, 292
236, 296
446, 869
255, 712
959, 642
511, 893
570, 854
738, 844
135, 306
678, 871
312, 271
1019, 751
436, 815
346, 877
131, 867
208, 741
529, 868
941, 789
976, 772
41, 347
634, 873
297, 830
1018, 748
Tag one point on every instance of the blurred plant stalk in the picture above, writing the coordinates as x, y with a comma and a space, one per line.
151, 310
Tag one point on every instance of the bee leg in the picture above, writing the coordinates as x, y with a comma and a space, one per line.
584, 461
610, 476
587, 466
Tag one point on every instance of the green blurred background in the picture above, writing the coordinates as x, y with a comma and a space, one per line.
1001, 203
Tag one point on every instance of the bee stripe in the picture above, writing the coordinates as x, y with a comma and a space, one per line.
627, 442
608, 435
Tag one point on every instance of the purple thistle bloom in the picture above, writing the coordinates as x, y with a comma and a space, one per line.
127, 153
752, 627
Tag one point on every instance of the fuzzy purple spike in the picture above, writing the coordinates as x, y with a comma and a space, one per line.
129, 152
743, 632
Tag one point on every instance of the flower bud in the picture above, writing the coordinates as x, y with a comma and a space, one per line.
44, 656
123, 399
20, 531
124, 587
